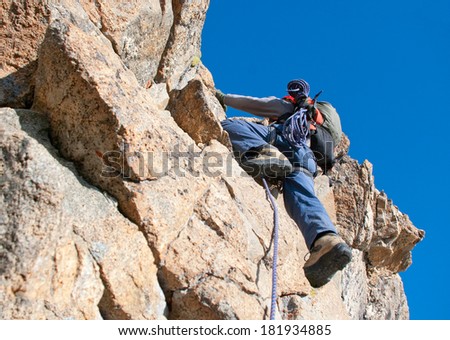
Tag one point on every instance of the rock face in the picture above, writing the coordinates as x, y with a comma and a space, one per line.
139, 31
22, 29
119, 207
67, 252
197, 113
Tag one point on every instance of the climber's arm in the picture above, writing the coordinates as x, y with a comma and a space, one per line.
263, 107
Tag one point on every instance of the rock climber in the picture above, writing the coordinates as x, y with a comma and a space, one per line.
267, 151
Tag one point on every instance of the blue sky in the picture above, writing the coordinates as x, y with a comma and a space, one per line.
385, 65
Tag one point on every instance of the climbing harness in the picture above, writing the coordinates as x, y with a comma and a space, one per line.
275, 250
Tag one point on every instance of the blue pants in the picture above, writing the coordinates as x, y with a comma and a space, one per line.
300, 200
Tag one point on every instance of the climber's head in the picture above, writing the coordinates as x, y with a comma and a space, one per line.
298, 88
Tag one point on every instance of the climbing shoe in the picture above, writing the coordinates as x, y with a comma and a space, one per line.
266, 161
328, 255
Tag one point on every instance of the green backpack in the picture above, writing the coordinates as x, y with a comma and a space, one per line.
331, 120
326, 136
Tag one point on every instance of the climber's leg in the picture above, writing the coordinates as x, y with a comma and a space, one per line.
251, 144
328, 252
245, 135
305, 208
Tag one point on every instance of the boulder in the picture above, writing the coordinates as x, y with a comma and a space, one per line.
196, 110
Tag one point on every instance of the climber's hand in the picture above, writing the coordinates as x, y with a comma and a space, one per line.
220, 97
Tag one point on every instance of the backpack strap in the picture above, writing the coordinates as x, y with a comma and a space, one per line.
316, 115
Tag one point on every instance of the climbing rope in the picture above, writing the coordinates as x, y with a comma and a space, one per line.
275, 250
296, 129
